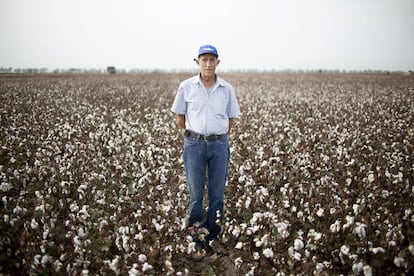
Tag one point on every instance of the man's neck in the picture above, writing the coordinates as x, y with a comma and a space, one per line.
208, 81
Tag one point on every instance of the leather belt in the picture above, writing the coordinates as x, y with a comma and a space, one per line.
207, 138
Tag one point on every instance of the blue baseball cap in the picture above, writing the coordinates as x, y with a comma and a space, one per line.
207, 49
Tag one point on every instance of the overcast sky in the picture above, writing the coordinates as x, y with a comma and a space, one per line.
259, 34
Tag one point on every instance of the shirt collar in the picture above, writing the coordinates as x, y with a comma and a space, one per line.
219, 81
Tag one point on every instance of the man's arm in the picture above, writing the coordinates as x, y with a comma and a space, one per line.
230, 125
180, 121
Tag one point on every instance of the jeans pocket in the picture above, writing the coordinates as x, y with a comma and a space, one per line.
190, 141
223, 140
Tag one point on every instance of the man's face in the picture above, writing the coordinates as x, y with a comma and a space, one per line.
208, 64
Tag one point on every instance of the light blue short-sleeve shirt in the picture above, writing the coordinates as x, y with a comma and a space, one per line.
207, 111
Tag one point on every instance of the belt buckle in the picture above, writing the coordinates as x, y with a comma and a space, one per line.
210, 138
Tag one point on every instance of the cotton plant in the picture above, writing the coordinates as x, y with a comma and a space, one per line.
89, 175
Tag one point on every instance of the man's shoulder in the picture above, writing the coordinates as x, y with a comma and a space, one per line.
190, 81
224, 83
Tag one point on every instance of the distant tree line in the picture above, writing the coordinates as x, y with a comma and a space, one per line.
113, 70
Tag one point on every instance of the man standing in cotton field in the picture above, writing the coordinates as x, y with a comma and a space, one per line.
205, 106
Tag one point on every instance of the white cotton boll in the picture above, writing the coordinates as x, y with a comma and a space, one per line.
349, 222
356, 208
45, 259
168, 248
367, 270
124, 230
247, 203
38, 195
320, 212
5, 187
256, 256
102, 224
4, 199
268, 253
157, 226
407, 213
45, 233
168, 265
335, 227
125, 244
139, 236
57, 265
315, 235
101, 201
377, 250
40, 208
298, 244
282, 228
259, 243
357, 268
83, 213
291, 251
385, 194
344, 249
238, 262
36, 260
360, 230
299, 214
77, 241
236, 231
319, 267
134, 271
18, 210
353, 257
113, 265
142, 258
239, 245
297, 256
146, 266
411, 249
243, 226
252, 230
85, 272
81, 232
371, 177
400, 262
191, 247
34, 224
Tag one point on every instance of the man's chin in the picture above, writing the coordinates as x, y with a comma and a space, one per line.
209, 73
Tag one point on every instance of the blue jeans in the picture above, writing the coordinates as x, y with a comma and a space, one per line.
212, 157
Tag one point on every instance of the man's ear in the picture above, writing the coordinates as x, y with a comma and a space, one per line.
218, 62
196, 60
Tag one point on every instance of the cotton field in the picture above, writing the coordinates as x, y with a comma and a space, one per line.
320, 180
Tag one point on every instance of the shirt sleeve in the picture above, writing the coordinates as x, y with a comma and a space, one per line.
233, 109
179, 106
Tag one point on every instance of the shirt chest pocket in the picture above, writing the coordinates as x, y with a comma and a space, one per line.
219, 105
195, 106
